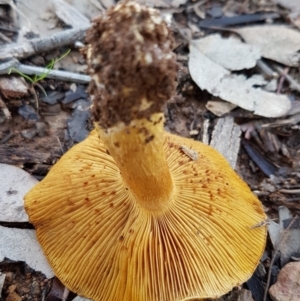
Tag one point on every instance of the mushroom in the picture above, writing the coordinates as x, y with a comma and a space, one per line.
134, 212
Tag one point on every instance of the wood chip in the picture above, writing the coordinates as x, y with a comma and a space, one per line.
226, 139
51, 73
13, 86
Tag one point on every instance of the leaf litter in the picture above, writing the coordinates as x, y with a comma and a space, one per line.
237, 89
249, 90
276, 42
230, 52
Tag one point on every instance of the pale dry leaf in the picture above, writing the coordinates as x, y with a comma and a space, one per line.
177, 3
79, 298
291, 242
69, 14
30, 17
236, 89
230, 53
295, 18
22, 245
276, 42
91, 8
292, 5
155, 3
219, 108
14, 184
108, 3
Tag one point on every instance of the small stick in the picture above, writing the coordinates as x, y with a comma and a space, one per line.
4, 109
197, 4
281, 240
266, 69
4, 38
65, 294
282, 79
290, 191
60, 145
54, 74
205, 136
7, 138
293, 83
28, 48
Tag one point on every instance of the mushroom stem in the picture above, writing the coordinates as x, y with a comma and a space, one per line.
137, 149
133, 72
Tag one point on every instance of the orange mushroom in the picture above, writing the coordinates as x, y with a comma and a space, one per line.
133, 212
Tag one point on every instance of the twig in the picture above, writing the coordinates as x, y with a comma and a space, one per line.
266, 69
7, 138
28, 48
20, 13
205, 136
44, 293
281, 240
33, 92
290, 191
198, 4
4, 38
54, 74
60, 145
98, 4
65, 294
4, 109
243, 7
293, 83
282, 79
13, 30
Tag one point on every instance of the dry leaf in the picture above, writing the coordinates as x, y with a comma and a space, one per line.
155, 3
22, 245
236, 89
292, 5
14, 184
276, 42
177, 3
30, 18
219, 108
230, 53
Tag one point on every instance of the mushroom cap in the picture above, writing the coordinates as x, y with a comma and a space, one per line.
103, 245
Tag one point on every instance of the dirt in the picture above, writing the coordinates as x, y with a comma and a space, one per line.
23, 283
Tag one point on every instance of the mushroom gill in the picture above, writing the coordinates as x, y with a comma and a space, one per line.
126, 214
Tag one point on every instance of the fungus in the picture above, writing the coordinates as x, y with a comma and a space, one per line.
134, 212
